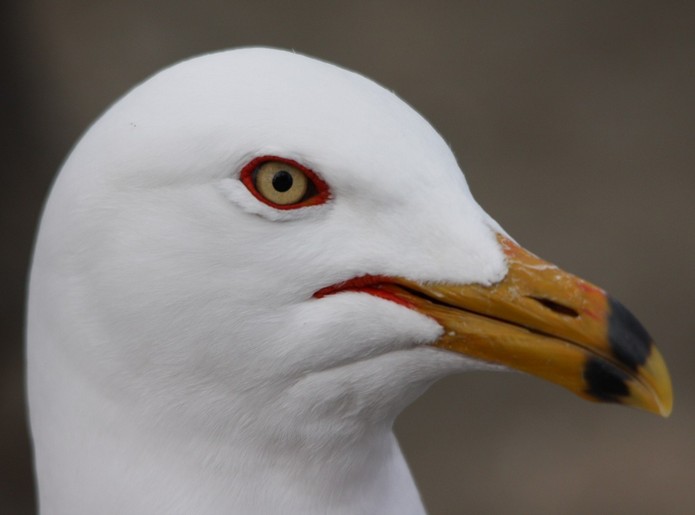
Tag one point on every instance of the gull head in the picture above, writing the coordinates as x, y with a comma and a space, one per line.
181, 280
252, 240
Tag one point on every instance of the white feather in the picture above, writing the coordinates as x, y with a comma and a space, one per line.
178, 363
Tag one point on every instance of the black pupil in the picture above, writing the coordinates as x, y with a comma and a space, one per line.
282, 181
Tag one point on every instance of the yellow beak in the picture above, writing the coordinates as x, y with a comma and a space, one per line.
551, 324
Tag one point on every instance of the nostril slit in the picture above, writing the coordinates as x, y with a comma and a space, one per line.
558, 308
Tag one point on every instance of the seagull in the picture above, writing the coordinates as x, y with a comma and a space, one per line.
246, 269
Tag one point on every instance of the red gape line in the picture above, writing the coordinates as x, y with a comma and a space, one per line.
323, 192
366, 284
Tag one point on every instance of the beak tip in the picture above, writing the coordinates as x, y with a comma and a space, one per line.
657, 376
665, 402
650, 388
666, 411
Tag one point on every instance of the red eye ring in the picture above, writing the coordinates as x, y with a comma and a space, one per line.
319, 191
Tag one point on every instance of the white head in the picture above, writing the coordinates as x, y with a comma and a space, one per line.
180, 280
168, 299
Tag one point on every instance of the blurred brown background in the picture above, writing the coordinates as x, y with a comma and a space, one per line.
574, 122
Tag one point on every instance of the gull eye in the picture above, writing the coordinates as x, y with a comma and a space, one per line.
283, 183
